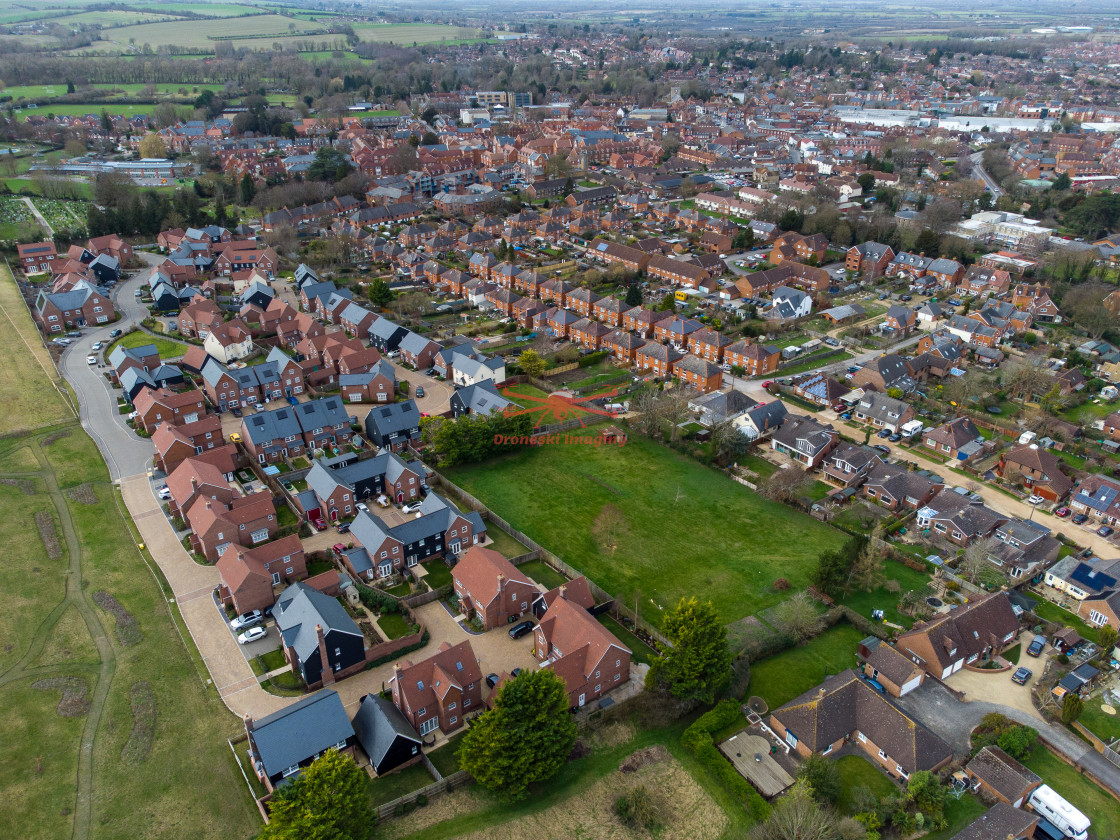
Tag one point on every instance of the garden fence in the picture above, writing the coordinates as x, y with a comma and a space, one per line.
448, 783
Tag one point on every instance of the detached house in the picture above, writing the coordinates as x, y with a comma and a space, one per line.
581, 651
958, 436
81, 305
249, 574
321, 641
804, 440
1038, 470
488, 585
282, 744
959, 518
883, 412
978, 630
438, 692
393, 426
246, 520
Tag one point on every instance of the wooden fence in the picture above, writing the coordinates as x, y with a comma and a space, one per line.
446, 784
547, 556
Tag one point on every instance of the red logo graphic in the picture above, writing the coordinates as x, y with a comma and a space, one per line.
558, 406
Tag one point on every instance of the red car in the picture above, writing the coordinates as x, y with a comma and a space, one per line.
767, 383
318, 523
338, 548
1062, 512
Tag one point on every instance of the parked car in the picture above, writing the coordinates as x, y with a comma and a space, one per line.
235, 437
767, 383
164, 492
339, 549
491, 680
847, 415
1063, 512
519, 630
895, 438
292, 401
319, 523
882, 450
235, 411
1035, 499
1021, 676
906, 298
253, 634
420, 391
832, 342
96, 346
1038, 644
248, 619
883, 433
1104, 531
115, 333
91, 360
363, 507
342, 527
1079, 518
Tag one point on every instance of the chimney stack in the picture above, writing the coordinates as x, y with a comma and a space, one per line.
194, 483
564, 591
328, 671
248, 723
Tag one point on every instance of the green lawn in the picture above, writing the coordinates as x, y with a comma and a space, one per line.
1052, 612
778, 679
395, 785
272, 660
640, 651
1078, 790
1104, 726
444, 758
685, 530
504, 543
880, 599
393, 625
856, 772
958, 813
166, 348
543, 573
438, 573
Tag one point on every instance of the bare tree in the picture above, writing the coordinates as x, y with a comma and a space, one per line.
975, 559
797, 617
786, 485
796, 816
1026, 377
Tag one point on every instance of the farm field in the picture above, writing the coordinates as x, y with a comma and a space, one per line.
734, 546
409, 33
100, 692
200, 33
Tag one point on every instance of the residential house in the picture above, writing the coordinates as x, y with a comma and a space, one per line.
377, 383
282, 744
896, 488
36, 257
1101, 609
1001, 822
657, 358
175, 443
394, 426
888, 371
708, 344
481, 398
154, 407
848, 464
870, 259
974, 632
79, 306
623, 346
953, 439
959, 518
249, 574
901, 320
492, 588
1098, 497
845, 709
468, 370
387, 738
438, 692
418, 351
888, 666
882, 411
1024, 548
198, 319
789, 303
1038, 470
1084, 578
719, 406
701, 374
581, 651
333, 493
754, 359
195, 478
245, 520
804, 440
320, 640
996, 775
762, 420
820, 389
229, 341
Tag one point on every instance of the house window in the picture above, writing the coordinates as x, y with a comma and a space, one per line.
466, 702
882, 754
826, 750
451, 706
454, 720
862, 737
291, 771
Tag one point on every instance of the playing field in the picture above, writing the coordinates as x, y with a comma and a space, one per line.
678, 527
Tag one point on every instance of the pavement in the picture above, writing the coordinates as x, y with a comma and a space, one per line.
979, 172
953, 721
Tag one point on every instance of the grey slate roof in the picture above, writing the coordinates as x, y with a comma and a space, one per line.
483, 398
299, 731
378, 724
300, 608
394, 417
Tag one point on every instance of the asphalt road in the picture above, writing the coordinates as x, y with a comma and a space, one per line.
979, 172
125, 452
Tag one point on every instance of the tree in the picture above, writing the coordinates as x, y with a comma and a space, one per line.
728, 443
696, 668
792, 219
744, 239
609, 526
668, 303
1106, 638
329, 165
1061, 184
531, 363
524, 739
557, 166
633, 295
867, 572
248, 189
975, 559
75, 148
1072, 707
834, 567
379, 293
1018, 741
328, 801
926, 795
928, 243
823, 776
797, 617
796, 816
786, 485
866, 183
152, 146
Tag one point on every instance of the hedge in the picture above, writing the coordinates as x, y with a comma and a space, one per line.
593, 358
377, 600
697, 739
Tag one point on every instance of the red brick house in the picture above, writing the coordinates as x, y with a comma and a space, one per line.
249, 574
708, 344
588, 333
490, 586
657, 358
582, 301
609, 310
948, 438
198, 319
248, 520
438, 692
984, 627
156, 406
1102, 609
1038, 470
623, 346
871, 258
797, 248
112, 245
36, 257
701, 374
195, 478
902, 319
80, 306
643, 321
755, 359
174, 444
581, 651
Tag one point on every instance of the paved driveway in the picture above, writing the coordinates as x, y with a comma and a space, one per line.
437, 395
997, 687
953, 720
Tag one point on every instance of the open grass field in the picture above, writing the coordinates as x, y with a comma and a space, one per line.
778, 679
410, 33
684, 530
166, 348
201, 33
1079, 791
857, 772
33, 396
99, 689
82, 109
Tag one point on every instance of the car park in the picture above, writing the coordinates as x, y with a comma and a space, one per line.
519, 630
248, 619
1022, 675
253, 634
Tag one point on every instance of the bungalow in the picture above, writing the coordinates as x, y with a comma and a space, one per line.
894, 487
1000, 777
820, 389
887, 371
581, 651
320, 640
1098, 497
1024, 547
980, 629
761, 421
1001, 822
488, 585
282, 744
438, 692
846, 709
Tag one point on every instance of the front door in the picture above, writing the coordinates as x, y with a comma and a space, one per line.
454, 547
582, 700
